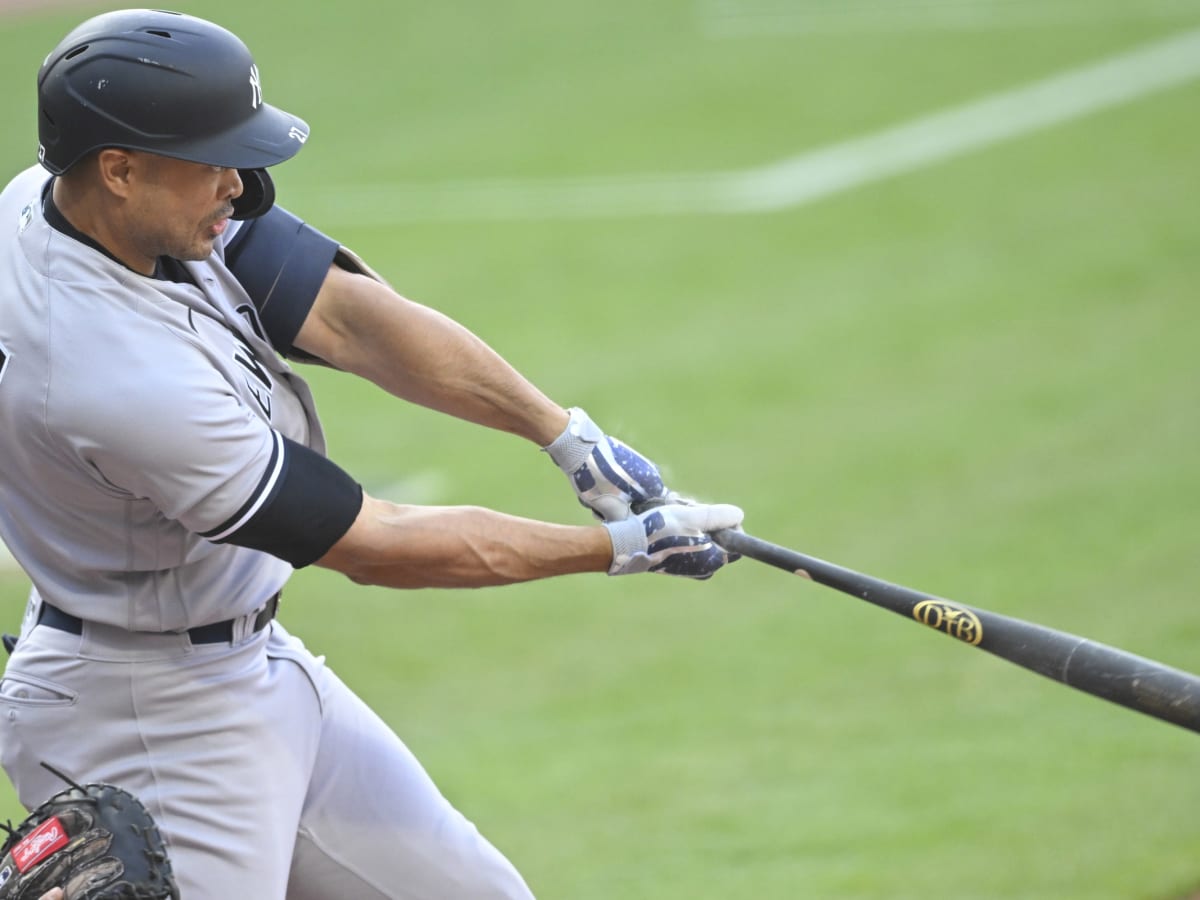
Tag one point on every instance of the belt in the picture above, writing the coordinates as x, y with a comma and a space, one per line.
215, 633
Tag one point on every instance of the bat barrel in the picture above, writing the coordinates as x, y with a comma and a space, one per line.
1100, 670
1109, 673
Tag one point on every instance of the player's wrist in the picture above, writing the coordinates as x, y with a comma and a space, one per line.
549, 425
629, 546
574, 444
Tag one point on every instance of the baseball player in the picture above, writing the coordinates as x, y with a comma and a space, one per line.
164, 472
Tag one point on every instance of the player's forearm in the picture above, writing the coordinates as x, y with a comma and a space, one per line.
461, 547
423, 356
426, 358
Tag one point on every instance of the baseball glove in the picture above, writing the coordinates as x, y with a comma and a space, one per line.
95, 841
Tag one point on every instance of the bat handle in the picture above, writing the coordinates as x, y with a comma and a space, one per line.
818, 570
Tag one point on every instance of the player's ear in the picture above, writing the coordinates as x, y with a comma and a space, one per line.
114, 166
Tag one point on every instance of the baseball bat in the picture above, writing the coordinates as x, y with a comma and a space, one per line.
1117, 676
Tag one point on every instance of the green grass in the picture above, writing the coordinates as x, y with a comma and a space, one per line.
978, 379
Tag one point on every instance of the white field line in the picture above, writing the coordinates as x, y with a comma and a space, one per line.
755, 18
421, 488
785, 184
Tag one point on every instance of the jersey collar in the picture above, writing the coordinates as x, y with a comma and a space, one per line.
166, 268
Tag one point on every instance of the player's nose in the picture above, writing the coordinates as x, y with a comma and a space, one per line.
232, 185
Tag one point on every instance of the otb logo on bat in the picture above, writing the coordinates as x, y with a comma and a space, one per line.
951, 619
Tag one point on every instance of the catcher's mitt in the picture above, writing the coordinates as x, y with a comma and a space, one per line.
95, 841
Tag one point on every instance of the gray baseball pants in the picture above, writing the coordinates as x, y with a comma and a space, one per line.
270, 779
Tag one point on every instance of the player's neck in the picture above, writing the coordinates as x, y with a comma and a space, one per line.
87, 212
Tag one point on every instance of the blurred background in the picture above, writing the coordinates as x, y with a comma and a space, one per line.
909, 281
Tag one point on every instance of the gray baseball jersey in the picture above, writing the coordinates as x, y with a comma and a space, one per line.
143, 423
162, 469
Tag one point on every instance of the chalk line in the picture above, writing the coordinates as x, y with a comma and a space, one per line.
788, 183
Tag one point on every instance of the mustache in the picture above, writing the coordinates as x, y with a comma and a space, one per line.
226, 212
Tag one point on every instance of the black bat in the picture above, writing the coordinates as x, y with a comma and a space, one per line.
1106, 672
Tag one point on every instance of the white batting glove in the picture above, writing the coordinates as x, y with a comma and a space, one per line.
672, 539
609, 477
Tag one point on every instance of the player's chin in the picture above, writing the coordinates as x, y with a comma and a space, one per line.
200, 248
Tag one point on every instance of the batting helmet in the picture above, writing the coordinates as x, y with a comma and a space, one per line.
165, 83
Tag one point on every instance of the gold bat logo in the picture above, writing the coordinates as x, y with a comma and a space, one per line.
955, 621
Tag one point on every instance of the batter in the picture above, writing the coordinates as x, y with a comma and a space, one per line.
164, 472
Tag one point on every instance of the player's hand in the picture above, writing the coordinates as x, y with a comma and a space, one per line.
53, 894
608, 476
672, 539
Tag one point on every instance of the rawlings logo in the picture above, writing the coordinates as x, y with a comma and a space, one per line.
38, 844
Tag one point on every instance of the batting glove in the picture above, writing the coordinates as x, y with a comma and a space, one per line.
672, 539
608, 476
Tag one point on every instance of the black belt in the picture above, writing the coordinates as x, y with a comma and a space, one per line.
216, 633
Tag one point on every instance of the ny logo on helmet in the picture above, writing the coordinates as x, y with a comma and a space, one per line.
256, 87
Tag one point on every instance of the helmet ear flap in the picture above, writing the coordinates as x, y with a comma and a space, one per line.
258, 194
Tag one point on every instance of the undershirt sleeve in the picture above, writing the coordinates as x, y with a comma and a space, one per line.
304, 504
282, 262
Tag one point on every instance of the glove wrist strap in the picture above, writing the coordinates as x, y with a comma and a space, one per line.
572, 448
628, 538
